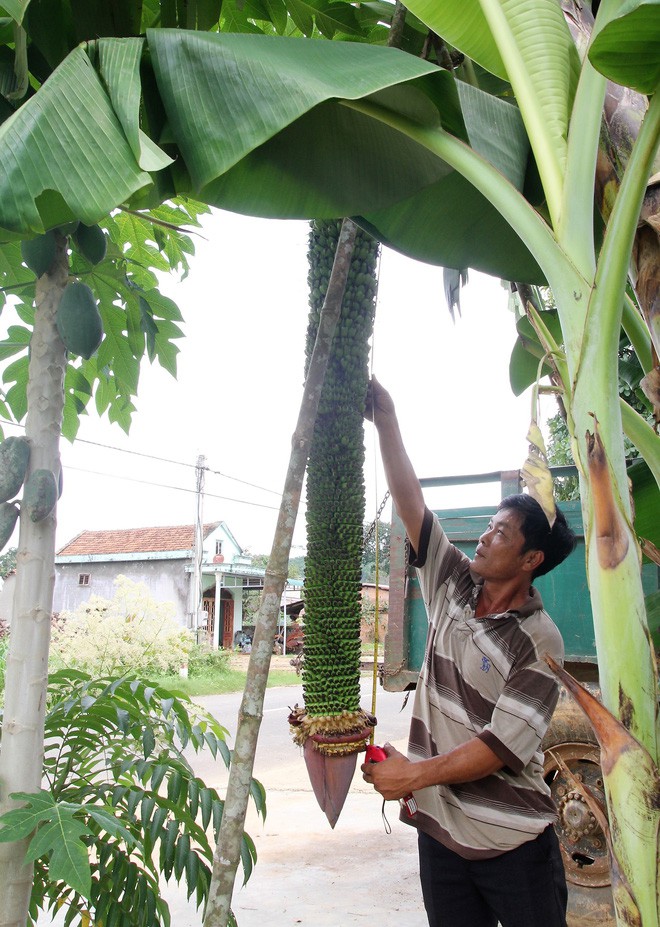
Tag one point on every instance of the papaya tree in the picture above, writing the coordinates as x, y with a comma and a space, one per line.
449, 173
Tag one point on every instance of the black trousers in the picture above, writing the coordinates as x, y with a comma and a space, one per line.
525, 887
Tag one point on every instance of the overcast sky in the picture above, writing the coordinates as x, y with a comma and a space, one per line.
239, 387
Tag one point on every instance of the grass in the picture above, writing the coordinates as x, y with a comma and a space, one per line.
221, 683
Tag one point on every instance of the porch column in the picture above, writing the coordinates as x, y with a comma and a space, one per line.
238, 608
218, 611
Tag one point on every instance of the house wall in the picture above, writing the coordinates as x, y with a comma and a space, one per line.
230, 549
166, 580
367, 629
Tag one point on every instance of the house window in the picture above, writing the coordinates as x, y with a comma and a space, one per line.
83, 579
218, 548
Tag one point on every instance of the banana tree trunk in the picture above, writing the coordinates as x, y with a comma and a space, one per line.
626, 660
21, 756
227, 853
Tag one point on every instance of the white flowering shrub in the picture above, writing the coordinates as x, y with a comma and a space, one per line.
131, 631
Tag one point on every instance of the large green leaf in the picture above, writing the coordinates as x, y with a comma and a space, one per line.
64, 154
52, 30
627, 49
528, 43
454, 206
225, 95
243, 147
647, 502
112, 17
463, 24
464, 221
16, 8
190, 14
120, 68
264, 125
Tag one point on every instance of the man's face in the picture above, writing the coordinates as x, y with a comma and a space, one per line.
499, 552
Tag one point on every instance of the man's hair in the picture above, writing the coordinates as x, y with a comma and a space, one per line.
556, 543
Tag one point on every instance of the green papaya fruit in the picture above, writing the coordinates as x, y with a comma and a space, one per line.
39, 253
40, 495
92, 242
14, 459
79, 321
8, 518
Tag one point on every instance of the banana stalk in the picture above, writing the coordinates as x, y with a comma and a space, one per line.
331, 724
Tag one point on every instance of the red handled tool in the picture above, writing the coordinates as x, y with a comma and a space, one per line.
376, 754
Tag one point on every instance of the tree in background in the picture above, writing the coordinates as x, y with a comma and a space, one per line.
7, 562
376, 552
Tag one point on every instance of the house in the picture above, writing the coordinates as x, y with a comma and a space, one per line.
375, 598
163, 558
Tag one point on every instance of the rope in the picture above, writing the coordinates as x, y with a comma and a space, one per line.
374, 679
374, 530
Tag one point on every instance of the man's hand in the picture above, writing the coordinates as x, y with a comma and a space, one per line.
391, 777
379, 402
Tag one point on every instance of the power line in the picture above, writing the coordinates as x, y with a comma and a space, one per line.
178, 463
244, 482
132, 479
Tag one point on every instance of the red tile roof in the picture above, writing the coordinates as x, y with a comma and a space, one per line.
134, 540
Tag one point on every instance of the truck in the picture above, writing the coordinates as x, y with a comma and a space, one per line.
569, 741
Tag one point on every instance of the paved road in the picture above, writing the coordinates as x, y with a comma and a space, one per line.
308, 874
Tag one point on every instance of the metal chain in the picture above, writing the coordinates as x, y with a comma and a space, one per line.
372, 527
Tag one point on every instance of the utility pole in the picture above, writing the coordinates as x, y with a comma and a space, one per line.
197, 551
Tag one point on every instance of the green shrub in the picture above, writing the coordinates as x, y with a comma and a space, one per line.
131, 632
206, 662
121, 807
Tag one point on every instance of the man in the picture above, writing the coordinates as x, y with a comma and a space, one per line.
485, 695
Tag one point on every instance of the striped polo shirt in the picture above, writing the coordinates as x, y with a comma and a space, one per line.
486, 678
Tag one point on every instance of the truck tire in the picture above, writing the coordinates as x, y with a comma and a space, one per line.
570, 740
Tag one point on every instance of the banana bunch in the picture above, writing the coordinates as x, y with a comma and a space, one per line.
335, 486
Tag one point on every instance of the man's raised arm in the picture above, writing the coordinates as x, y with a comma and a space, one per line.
401, 478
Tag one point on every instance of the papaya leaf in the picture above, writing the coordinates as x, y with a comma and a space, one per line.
16, 395
17, 340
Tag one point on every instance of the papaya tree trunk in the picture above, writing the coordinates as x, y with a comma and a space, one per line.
227, 853
21, 755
